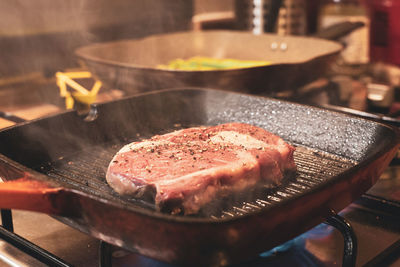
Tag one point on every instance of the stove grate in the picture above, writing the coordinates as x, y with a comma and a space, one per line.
42, 255
105, 255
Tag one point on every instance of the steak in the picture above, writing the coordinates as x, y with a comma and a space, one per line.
186, 169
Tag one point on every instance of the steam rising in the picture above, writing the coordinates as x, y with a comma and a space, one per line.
42, 35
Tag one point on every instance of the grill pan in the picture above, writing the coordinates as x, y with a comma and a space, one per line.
57, 165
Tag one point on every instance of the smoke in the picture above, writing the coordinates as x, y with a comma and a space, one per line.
38, 36
42, 35
25, 17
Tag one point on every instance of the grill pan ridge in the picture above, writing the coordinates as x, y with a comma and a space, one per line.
86, 171
339, 157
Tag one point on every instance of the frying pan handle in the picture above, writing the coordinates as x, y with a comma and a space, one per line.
339, 30
33, 195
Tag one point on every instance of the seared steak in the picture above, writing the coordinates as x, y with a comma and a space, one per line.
186, 169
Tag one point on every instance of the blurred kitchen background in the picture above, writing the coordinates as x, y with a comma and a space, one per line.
38, 39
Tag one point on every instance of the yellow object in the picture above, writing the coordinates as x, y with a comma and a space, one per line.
207, 63
69, 101
80, 94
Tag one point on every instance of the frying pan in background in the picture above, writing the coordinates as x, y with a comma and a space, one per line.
131, 65
57, 165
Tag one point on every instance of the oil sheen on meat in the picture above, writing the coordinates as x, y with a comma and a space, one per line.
186, 169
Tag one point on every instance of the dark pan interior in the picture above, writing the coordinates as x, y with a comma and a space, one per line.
75, 150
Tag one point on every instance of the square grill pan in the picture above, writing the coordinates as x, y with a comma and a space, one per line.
65, 157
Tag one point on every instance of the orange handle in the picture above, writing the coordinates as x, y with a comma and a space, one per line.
23, 190
34, 195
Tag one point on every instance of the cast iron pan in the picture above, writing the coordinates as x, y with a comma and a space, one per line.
131, 65
57, 165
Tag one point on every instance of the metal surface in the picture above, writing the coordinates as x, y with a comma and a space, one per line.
387, 257
257, 16
32, 249
105, 255
10, 117
349, 237
131, 65
363, 114
6, 220
71, 246
339, 158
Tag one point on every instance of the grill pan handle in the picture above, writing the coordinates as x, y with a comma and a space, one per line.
25, 193
34, 195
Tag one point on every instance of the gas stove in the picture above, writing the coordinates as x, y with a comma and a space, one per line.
365, 233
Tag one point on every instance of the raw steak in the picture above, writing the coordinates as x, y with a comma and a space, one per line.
184, 170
